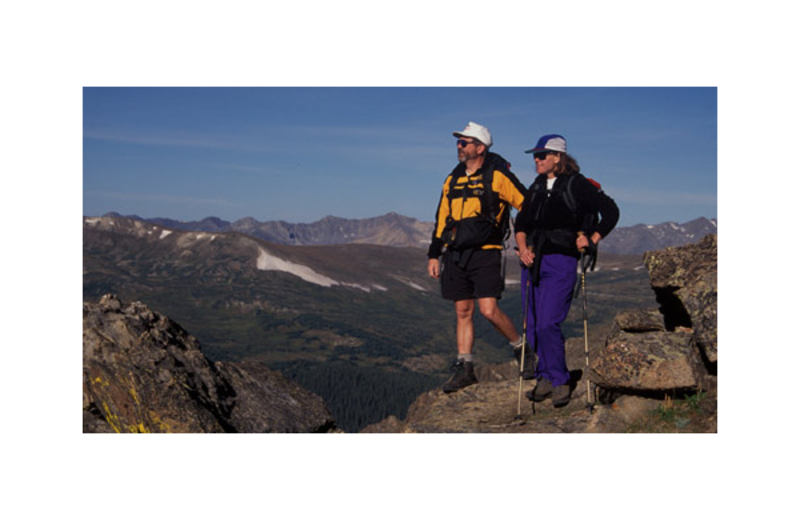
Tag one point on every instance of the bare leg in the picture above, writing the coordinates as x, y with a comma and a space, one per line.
501, 322
465, 330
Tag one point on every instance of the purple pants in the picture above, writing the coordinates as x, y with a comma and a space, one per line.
548, 306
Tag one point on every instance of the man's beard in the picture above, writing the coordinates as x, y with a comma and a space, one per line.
463, 156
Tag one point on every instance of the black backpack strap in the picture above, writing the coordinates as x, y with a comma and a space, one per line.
586, 220
537, 190
568, 195
488, 202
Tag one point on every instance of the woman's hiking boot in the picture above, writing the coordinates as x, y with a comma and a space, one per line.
541, 391
561, 395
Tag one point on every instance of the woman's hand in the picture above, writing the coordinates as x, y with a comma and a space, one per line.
524, 252
583, 242
526, 256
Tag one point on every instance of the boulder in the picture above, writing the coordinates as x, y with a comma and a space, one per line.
648, 362
143, 373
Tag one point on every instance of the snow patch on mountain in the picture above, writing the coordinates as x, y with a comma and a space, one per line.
267, 262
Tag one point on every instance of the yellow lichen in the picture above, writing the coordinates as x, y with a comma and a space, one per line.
112, 419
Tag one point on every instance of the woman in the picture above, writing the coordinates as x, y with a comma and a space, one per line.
556, 222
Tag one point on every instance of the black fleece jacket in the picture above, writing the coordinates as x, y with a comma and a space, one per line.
540, 212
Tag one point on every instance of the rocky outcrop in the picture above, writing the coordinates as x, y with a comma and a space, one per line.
674, 348
685, 281
143, 373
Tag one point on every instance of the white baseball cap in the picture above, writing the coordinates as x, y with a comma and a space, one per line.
476, 131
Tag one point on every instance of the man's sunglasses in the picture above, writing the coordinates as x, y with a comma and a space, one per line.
463, 143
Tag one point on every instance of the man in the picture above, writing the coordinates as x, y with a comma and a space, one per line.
471, 223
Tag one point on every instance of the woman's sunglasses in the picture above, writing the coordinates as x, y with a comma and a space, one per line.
541, 156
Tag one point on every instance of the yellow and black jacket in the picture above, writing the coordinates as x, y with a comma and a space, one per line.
466, 197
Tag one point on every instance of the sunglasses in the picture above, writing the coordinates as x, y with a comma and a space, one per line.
463, 143
541, 156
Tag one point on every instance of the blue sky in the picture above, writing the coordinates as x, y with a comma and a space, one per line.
299, 154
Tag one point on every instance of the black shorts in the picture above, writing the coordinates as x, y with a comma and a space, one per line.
480, 278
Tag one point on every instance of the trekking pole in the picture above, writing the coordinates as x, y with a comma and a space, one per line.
524, 344
586, 334
589, 400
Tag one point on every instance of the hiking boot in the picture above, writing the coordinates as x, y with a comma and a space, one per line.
529, 370
463, 377
540, 392
561, 395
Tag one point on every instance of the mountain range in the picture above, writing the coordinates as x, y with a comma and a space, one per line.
387, 230
635, 240
397, 230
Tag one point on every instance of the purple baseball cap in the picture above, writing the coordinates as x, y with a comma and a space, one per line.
550, 143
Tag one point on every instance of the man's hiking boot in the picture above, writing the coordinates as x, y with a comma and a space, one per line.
463, 377
561, 395
529, 370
